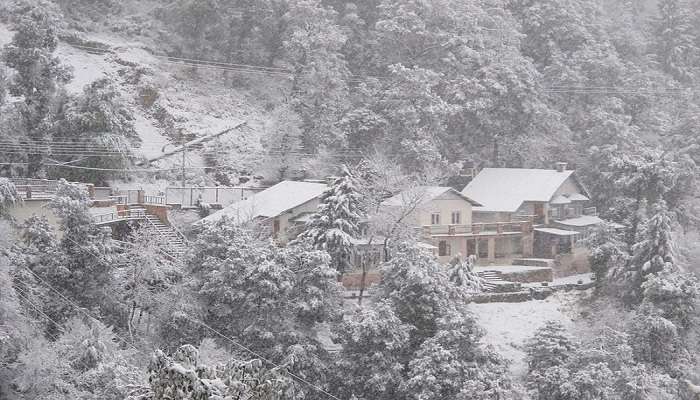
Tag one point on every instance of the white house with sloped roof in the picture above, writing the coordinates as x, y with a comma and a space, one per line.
282, 207
443, 216
547, 195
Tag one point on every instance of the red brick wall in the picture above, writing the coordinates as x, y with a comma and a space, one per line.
159, 211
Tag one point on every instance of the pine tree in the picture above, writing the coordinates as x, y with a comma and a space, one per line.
421, 291
39, 74
454, 364
551, 346
607, 252
320, 88
375, 343
675, 42
98, 117
652, 253
336, 223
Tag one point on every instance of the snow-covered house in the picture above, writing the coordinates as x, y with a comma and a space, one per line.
554, 199
546, 195
283, 207
443, 216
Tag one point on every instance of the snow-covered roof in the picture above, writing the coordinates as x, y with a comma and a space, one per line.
505, 189
560, 199
584, 220
302, 218
426, 246
271, 202
577, 197
557, 232
423, 194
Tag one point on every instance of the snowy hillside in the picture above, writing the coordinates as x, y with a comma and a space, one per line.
170, 103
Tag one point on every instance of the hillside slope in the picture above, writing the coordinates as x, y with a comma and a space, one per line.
171, 103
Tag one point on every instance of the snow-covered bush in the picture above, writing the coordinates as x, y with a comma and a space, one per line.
463, 276
183, 377
8, 196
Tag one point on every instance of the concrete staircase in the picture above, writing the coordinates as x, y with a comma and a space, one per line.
491, 280
175, 242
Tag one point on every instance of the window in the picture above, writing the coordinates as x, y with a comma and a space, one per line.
444, 248
554, 212
275, 227
456, 217
435, 219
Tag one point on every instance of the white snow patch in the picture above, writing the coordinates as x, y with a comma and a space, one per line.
87, 68
5, 35
152, 141
509, 325
509, 269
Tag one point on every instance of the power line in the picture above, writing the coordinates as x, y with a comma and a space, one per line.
72, 303
26, 297
234, 342
225, 66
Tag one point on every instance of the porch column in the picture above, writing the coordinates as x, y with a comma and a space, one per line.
528, 246
492, 249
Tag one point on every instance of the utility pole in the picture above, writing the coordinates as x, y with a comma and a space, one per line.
184, 156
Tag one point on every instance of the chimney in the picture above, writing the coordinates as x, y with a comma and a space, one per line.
561, 166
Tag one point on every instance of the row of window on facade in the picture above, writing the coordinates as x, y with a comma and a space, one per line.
456, 218
504, 246
565, 212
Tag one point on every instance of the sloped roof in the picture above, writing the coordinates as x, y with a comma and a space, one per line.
560, 199
584, 220
578, 197
271, 202
422, 195
505, 189
556, 232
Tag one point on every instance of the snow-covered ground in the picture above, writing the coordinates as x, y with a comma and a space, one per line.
5, 35
191, 102
509, 325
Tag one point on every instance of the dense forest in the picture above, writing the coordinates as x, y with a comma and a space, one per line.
397, 91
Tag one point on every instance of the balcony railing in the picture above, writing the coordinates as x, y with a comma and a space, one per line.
119, 216
154, 200
486, 228
592, 211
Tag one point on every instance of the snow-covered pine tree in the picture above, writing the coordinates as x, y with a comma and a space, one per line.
454, 364
334, 226
652, 253
675, 42
375, 344
550, 347
39, 74
607, 251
